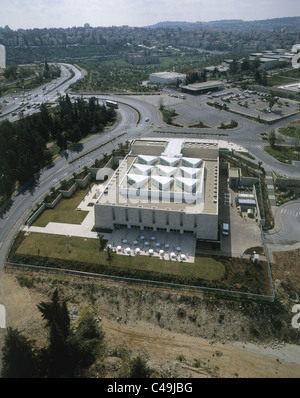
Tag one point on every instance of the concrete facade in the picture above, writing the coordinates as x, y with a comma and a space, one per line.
134, 199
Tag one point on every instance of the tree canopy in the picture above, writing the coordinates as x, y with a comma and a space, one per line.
23, 144
68, 354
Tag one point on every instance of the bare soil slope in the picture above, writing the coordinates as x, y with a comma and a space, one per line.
181, 334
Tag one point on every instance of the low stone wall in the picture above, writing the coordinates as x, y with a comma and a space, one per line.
82, 183
36, 214
69, 193
54, 203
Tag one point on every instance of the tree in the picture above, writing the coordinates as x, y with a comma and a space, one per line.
245, 65
138, 368
19, 356
102, 241
110, 256
272, 100
68, 352
234, 67
272, 138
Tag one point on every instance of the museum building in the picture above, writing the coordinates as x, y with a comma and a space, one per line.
166, 185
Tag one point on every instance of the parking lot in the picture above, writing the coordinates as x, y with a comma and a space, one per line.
194, 109
253, 104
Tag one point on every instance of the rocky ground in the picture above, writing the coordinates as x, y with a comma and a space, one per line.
180, 334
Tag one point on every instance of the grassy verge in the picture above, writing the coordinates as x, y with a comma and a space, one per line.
290, 131
285, 154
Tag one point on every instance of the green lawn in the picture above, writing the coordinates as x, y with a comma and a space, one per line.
87, 250
64, 211
284, 154
290, 131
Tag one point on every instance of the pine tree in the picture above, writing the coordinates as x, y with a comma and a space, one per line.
19, 357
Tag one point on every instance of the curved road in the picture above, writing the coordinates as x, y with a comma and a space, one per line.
132, 115
286, 234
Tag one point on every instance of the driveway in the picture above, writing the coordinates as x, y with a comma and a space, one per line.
286, 234
244, 231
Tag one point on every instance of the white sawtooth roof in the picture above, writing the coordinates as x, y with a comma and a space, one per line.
170, 161
146, 159
194, 162
143, 169
137, 180
190, 172
166, 170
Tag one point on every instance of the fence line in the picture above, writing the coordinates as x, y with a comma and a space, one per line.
145, 282
264, 242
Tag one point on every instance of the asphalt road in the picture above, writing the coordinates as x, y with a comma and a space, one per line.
287, 226
132, 115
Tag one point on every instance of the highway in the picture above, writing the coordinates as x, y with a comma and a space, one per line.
132, 123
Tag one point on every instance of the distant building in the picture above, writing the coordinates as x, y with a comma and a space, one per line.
268, 63
168, 78
202, 88
2, 57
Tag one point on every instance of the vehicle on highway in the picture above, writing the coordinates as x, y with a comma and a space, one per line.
112, 104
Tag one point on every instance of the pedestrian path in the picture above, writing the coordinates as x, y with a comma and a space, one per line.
270, 187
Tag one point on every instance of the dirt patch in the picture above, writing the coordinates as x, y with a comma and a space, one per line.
180, 334
286, 272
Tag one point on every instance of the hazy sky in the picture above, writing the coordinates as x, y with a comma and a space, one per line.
28, 14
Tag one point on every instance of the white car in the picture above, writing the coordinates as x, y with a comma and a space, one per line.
225, 229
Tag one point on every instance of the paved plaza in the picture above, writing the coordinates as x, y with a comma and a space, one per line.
167, 246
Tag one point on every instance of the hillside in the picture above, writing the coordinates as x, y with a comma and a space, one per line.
288, 23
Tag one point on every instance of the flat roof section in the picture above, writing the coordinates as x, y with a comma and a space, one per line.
203, 86
174, 147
